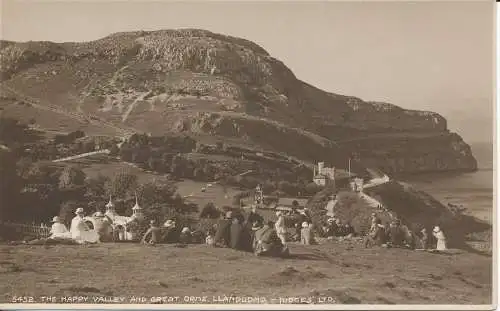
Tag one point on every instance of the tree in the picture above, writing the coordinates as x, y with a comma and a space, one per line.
68, 208
71, 177
210, 211
123, 185
312, 188
95, 190
9, 185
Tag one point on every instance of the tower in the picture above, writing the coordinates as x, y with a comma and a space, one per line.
110, 209
136, 210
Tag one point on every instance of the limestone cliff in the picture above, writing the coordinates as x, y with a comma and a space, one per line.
196, 81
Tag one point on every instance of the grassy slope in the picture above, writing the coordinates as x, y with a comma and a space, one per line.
345, 271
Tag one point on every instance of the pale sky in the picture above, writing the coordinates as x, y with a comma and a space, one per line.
420, 55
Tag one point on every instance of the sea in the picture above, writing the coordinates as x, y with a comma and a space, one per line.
474, 191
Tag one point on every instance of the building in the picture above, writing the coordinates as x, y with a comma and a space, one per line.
120, 223
323, 175
288, 204
357, 184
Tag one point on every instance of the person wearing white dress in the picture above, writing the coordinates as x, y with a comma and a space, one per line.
80, 232
280, 227
59, 230
440, 237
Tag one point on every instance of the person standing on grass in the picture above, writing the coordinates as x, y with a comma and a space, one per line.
223, 233
305, 234
440, 237
236, 234
376, 235
424, 240
280, 227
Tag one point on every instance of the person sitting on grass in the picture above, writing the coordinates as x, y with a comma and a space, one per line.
396, 234
59, 234
253, 216
103, 227
80, 232
338, 228
267, 242
59, 230
152, 235
349, 230
170, 233
185, 236
210, 240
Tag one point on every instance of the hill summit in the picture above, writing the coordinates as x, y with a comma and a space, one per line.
208, 84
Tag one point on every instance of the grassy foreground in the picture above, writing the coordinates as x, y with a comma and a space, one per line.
334, 272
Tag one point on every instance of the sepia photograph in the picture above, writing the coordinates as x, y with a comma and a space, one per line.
247, 155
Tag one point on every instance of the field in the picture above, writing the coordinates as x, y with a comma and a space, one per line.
339, 272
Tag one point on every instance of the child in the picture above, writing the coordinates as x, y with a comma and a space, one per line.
210, 241
305, 234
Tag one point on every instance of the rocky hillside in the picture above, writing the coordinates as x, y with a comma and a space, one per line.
210, 84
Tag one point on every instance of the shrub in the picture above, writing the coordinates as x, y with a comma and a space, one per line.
210, 211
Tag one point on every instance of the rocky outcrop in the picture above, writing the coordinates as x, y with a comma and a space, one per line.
199, 81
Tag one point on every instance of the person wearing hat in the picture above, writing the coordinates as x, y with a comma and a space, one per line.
396, 236
440, 237
59, 230
305, 234
253, 216
376, 235
280, 227
267, 242
185, 236
102, 226
170, 234
80, 232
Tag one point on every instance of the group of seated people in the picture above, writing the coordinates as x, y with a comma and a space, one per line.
252, 234
233, 230
397, 235
79, 232
335, 228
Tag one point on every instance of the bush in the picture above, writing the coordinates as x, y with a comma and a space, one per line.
210, 211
